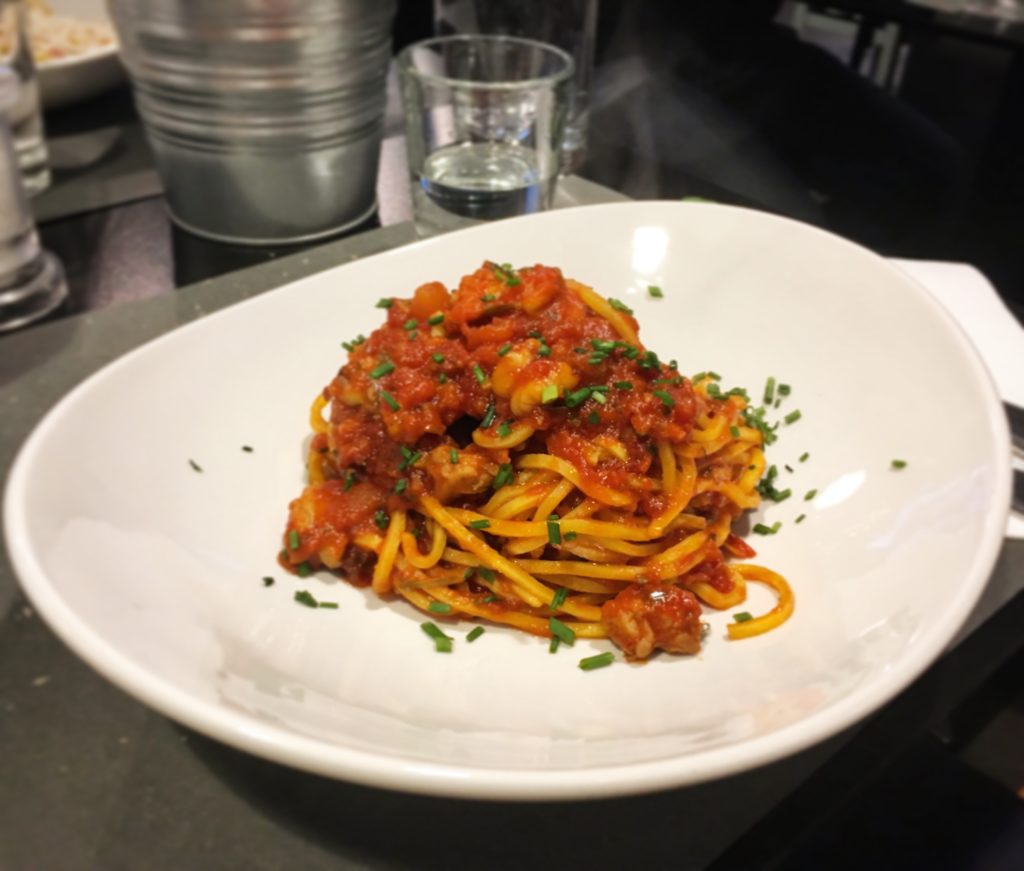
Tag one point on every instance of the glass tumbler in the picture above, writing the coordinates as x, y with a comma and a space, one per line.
485, 118
24, 115
31, 280
569, 24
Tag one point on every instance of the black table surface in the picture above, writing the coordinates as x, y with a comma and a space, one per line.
95, 780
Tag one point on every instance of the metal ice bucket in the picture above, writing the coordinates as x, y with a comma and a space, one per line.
265, 116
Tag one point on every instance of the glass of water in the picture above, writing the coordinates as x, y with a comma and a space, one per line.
485, 118
569, 24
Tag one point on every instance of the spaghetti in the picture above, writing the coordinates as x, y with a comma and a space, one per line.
510, 452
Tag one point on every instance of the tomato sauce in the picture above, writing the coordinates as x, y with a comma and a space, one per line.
506, 348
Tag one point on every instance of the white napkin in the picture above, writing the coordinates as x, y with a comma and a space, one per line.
976, 306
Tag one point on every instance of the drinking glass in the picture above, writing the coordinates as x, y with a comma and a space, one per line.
569, 24
31, 280
485, 118
24, 115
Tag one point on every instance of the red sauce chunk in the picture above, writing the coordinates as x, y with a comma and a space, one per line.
648, 617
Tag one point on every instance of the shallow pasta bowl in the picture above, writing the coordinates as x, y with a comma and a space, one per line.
151, 569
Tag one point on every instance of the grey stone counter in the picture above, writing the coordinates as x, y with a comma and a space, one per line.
94, 780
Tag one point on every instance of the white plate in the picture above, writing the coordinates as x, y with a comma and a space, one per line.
80, 77
151, 571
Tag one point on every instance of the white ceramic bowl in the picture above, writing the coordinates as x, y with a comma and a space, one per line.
80, 77
151, 571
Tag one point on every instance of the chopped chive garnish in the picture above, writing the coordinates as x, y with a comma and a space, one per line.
440, 607
631, 353
490, 598
504, 349
453, 457
623, 385
478, 373
489, 416
506, 273
619, 305
247, 449
577, 397
268, 581
554, 530
410, 324
504, 476
781, 495
400, 485
485, 573
804, 456
355, 343
381, 519
304, 597
784, 390
792, 417
467, 575
475, 634
898, 464
666, 398
505, 430
742, 616
761, 529
488, 297
734, 431
293, 540
809, 495
769, 391
788, 467
553, 644
409, 458
479, 524
561, 631
442, 378
544, 350
649, 361
442, 643
655, 291
327, 605
434, 320
549, 394
593, 418
598, 397
390, 400
569, 536
195, 466
383, 369
558, 599
304, 569
800, 519
437, 358
713, 390
384, 302
601, 660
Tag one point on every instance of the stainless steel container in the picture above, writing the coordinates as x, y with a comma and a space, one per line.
265, 116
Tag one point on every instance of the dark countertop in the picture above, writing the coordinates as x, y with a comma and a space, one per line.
95, 780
